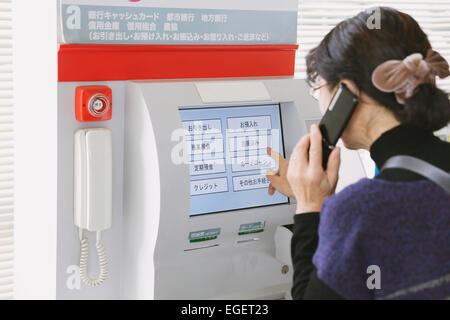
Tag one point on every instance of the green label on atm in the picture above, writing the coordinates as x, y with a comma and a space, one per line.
204, 235
250, 228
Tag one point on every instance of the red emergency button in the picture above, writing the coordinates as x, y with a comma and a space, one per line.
93, 103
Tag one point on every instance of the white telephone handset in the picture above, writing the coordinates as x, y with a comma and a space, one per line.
93, 193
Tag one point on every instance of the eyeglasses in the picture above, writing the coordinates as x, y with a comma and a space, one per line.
315, 91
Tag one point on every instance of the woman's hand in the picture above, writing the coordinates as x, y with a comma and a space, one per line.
309, 182
278, 180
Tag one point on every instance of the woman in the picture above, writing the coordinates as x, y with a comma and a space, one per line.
388, 237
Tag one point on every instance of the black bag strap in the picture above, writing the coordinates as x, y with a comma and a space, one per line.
421, 167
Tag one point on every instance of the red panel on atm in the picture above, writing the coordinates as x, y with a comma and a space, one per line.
139, 62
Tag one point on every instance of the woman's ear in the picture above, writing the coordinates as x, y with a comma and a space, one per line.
351, 85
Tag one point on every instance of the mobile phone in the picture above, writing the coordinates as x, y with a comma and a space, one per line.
335, 120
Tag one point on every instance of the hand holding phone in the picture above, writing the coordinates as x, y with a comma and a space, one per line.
309, 183
335, 120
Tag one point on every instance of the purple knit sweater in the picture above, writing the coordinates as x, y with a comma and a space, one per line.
409, 241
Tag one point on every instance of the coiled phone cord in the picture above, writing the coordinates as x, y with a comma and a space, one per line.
84, 261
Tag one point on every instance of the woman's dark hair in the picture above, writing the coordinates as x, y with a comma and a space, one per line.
352, 51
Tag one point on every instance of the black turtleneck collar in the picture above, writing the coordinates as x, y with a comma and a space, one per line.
411, 141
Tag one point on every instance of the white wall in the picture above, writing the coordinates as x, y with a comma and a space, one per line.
35, 91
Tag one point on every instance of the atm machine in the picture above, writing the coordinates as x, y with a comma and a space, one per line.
162, 149
199, 223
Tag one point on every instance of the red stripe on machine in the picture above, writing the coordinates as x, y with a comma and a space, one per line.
138, 62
